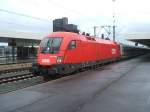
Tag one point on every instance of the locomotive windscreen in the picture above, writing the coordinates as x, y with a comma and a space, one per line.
51, 45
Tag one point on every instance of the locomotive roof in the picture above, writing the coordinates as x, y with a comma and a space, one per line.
80, 37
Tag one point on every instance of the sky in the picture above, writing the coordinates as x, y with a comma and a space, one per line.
130, 15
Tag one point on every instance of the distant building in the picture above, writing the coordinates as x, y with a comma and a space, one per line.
62, 25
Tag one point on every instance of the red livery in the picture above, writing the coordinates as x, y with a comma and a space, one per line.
65, 52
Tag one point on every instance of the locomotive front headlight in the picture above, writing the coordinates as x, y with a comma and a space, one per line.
59, 59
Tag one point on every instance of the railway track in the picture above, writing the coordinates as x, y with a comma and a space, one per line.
11, 76
14, 67
15, 78
12, 73
12, 81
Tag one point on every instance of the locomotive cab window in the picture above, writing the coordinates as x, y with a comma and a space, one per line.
72, 44
51, 45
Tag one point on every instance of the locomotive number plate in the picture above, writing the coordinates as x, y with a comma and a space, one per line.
45, 60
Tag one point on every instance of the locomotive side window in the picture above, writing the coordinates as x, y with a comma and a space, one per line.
72, 44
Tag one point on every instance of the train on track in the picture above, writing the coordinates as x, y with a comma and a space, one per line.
66, 52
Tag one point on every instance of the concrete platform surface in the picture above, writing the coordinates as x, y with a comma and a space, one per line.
118, 87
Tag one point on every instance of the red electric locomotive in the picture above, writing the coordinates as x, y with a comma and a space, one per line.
65, 52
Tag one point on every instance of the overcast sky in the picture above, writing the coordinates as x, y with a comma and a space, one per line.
86, 13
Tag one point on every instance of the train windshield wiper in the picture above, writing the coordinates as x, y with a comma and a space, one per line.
50, 46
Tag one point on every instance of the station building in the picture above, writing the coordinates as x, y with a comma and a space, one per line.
22, 34
62, 25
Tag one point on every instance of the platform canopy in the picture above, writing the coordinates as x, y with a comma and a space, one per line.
141, 38
138, 32
13, 25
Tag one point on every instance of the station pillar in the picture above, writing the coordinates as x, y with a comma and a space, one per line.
12, 43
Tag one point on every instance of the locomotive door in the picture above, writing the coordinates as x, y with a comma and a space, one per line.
73, 52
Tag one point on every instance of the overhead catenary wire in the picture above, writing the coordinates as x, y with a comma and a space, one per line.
37, 18
59, 5
21, 14
22, 25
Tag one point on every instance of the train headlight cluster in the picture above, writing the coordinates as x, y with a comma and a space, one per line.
59, 59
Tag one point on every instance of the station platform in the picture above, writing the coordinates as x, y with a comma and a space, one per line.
118, 87
4, 61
